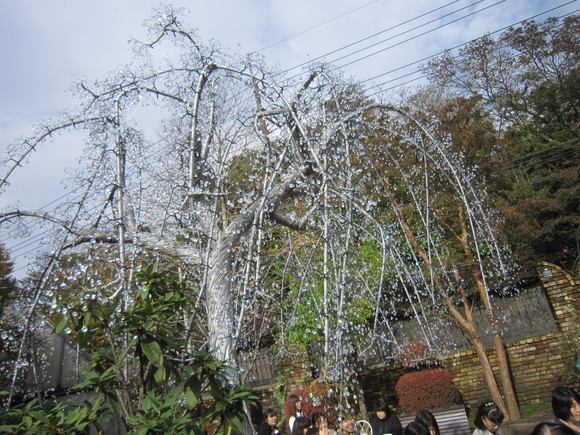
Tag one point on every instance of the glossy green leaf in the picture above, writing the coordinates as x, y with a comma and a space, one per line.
152, 351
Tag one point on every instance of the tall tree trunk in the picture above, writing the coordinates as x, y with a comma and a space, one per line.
513, 410
219, 306
467, 325
506, 379
219, 297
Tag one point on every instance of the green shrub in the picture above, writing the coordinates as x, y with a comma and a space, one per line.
166, 382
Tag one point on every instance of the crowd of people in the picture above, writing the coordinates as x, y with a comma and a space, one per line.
488, 420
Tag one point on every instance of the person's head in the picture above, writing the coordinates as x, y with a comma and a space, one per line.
301, 425
294, 404
271, 417
381, 409
415, 428
552, 429
346, 422
428, 420
566, 404
313, 431
319, 420
488, 417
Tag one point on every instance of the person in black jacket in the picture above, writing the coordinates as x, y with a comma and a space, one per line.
384, 421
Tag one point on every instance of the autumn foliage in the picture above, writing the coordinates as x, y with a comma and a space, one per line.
428, 389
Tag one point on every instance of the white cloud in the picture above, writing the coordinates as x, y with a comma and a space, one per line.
46, 43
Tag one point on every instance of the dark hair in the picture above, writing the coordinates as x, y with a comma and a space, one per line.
312, 431
490, 411
427, 419
562, 400
381, 405
270, 413
318, 417
300, 424
415, 428
552, 429
292, 400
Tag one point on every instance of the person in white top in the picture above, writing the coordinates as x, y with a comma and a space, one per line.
488, 419
294, 407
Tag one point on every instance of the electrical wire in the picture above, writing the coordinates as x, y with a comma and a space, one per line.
381, 90
441, 26
352, 44
316, 26
27, 243
31, 240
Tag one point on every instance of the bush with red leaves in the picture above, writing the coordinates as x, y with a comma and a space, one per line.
428, 389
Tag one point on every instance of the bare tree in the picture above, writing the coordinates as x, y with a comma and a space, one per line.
246, 158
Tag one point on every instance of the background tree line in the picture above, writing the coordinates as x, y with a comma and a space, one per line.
514, 104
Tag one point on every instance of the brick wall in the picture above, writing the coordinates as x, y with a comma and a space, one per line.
564, 294
379, 383
538, 363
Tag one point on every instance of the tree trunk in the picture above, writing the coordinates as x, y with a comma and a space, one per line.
512, 412
219, 295
506, 380
502, 359
468, 326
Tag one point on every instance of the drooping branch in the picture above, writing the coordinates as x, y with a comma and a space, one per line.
16, 214
196, 156
292, 222
33, 143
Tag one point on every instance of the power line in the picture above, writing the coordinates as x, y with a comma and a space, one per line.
357, 60
453, 48
416, 36
369, 37
311, 62
317, 26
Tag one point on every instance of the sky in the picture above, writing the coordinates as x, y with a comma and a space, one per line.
46, 45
